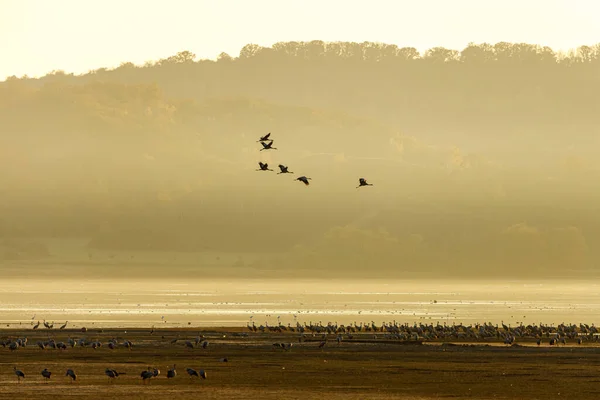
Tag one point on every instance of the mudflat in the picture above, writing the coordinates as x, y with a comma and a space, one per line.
264, 365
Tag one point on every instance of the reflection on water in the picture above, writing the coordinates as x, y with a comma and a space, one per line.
235, 303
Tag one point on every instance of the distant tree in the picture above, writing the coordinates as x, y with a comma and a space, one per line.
477, 54
441, 55
249, 50
224, 57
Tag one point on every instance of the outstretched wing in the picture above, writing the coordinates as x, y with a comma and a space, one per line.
267, 136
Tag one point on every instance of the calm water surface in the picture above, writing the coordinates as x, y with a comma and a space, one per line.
180, 303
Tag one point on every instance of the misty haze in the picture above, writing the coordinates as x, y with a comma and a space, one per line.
419, 223
482, 162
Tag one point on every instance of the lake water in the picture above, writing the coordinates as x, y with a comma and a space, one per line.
181, 303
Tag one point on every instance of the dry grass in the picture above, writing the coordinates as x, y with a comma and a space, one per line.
255, 369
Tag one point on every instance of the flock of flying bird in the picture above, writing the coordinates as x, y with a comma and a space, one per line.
267, 144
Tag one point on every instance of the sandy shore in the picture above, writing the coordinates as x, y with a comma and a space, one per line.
363, 368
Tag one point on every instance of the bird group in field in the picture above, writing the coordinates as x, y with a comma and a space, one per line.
171, 373
112, 373
46, 374
267, 144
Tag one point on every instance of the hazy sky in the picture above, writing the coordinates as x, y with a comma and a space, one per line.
37, 36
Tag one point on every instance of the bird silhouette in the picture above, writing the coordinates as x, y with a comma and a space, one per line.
363, 182
268, 146
263, 167
303, 179
264, 138
284, 170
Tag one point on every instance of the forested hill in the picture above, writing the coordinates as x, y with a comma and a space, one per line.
480, 157
484, 92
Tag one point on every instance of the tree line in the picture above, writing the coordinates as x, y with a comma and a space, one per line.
483, 91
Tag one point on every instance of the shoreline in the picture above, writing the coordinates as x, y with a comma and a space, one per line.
242, 364
379, 337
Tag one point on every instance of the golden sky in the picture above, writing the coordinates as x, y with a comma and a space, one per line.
37, 36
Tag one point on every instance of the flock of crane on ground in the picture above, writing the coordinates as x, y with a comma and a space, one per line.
444, 333
112, 344
113, 373
267, 144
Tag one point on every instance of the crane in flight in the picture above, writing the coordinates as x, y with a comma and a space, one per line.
268, 146
284, 170
363, 182
263, 167
264, 138
303, 179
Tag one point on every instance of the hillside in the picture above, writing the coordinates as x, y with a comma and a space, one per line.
482, 95
481, 160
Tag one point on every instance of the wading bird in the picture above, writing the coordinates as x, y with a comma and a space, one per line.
70, 373
112, 373
19, 374
303, 179
172, 372
284, 170
147, 374
263, 167
192, 372
363, 182
46, 374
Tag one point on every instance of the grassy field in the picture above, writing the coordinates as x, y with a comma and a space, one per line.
362, 368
